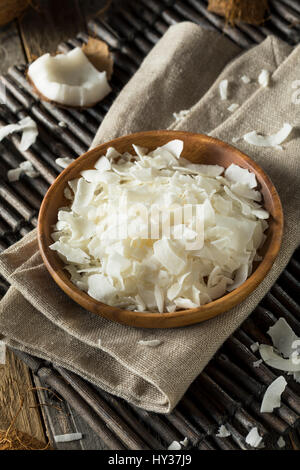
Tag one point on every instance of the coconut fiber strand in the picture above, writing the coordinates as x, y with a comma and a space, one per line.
249, 11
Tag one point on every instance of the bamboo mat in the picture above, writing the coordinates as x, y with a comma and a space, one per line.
230, 389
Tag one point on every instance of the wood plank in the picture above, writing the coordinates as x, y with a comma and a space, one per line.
52, 22
11, 49
15, 381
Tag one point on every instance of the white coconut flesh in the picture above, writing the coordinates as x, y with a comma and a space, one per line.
69, 79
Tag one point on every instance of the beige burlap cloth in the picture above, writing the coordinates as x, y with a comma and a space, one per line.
182, 72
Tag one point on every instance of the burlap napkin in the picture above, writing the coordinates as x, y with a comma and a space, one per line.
181, 72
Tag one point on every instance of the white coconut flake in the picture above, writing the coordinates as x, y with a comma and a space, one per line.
273, 140
245, 79
223, 432
151, 343
273, 359
257, 363
253, 438
185, 442
118, 251
14, 174
175, 445
233, 107
223, 89
264, 78
64, 162
254, 347
26, 168
62, 124
181, 115
283, 337
28, 128
281, 443
76, 436
272, 396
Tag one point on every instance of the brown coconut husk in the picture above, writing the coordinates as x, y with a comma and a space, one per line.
11, 9
248, 11
98, 53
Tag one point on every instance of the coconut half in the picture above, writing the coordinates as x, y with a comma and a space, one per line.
68, 79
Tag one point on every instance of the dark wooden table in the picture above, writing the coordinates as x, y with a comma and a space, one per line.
38, 31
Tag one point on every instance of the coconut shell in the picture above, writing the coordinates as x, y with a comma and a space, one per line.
11, 9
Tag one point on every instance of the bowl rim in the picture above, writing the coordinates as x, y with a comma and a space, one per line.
154, 319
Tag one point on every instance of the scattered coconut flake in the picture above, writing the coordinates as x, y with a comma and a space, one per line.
181, 115
28, 128
64, 162
24, 168
223, 432
14, 174
152, 343
2, 352
120, 253
254, 347
223, 88
273, 140
273, 359
296, 376
264, 78
283, 337
281, 442
253, 438
257, 363
174, 446
62, 124
185, 442
233, 107
272, 396
245, 79
235, 139
28, 169
76, 436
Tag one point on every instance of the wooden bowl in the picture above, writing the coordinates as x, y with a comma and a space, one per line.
197, 148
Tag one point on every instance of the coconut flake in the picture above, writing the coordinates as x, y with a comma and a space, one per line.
272, 396
273, 359
14, 174
254, 347
181, 115
223, 89
223, 432
185, 442
272, 140
233, 107
236, 174
152, 343
64, 162
28, 128
281, 443
245, 79
257, 363
253, 438
264, 78
283, 337
175, 445
76, 436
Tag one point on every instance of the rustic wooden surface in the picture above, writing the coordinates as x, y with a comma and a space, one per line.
40, 30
